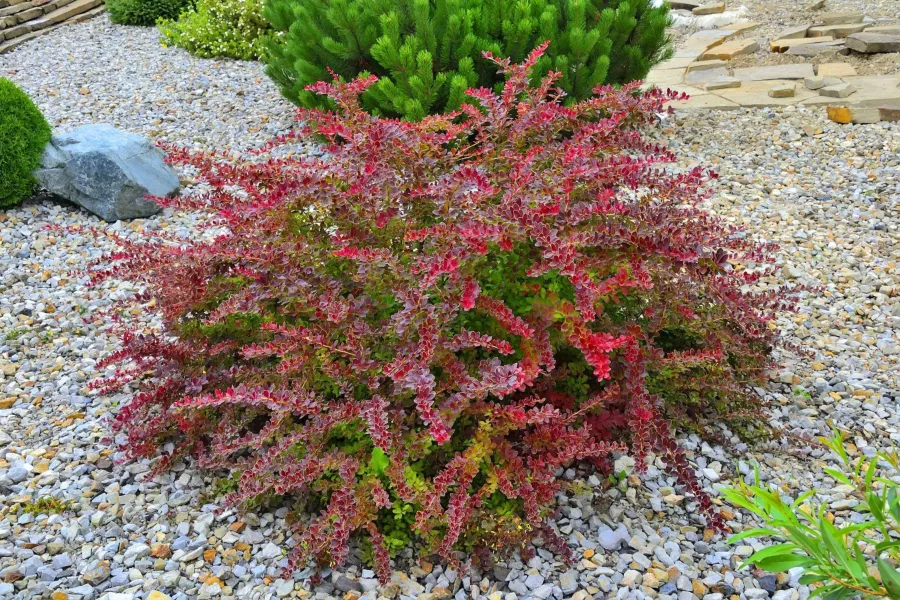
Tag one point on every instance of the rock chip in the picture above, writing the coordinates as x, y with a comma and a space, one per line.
786, 90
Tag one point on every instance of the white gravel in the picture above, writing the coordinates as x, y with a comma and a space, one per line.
97, 72
829, 194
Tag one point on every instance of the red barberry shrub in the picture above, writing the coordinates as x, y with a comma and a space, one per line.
410, 335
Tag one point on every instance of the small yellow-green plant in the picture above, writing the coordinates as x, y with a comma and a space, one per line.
857, 559
219, 28
48, 505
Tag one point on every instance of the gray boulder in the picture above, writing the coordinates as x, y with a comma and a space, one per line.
106, 171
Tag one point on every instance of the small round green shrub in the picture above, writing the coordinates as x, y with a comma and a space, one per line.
23, 135
214, 28
145, 12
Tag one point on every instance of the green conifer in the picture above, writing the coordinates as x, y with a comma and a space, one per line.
428, 52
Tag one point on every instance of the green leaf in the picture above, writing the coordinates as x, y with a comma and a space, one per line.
839, 593
893, 503
778, 564
838, 476
755, 532
886, 545
785, 549
834, 541
890, 578
379, 461
870, 473
802, 498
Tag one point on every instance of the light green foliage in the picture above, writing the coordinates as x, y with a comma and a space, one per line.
842, 561
219, 28
428, 52
48, 505
144, 12
23, 135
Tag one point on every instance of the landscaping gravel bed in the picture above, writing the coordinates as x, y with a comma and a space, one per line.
774, 18
828, 193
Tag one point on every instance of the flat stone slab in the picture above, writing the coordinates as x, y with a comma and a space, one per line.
709, 36
839, 18
837, 91
837, 69
871, 90
876, 87
705, 102
675, 63
724, 83
691, 52
663, 77
785, 45
705, 65
873, 43
853, 114
709, 9
793, 33
836, 31
798, 71
683, 4
755, 94
702, 78
730, 49
690, 90
890, 113
893, 29
815, 49
738, 28
820, 81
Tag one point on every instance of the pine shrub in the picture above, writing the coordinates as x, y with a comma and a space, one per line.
426, 53
219, 28
24, 133
408, 337
145, 12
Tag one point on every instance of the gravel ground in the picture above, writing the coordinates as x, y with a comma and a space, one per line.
829, 194
865, 64
96, 72
775, 17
